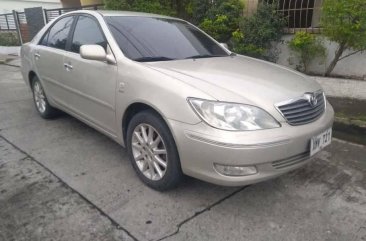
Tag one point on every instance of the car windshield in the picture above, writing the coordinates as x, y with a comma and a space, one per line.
147, 39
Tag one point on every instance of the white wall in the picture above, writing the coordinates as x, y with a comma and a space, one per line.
9, 50
353, 66
7, 6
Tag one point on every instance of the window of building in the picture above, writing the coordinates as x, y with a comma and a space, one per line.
300, 13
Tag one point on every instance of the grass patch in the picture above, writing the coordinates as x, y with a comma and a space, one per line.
343, 115
8, 39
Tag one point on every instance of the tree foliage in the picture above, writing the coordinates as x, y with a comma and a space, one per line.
218, 18
308, 47
344, 21
217, 28
164, 7
8, 39
258, 32
222, 19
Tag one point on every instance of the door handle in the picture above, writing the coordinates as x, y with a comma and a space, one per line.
37, 55
68, 67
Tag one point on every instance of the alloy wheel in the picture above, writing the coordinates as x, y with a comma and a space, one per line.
149, 152
39, 97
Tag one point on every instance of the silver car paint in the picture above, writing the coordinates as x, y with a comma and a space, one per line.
99, 93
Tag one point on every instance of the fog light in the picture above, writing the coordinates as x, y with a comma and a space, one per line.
235, 170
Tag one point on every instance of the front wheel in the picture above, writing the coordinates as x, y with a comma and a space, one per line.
152, 151
45, 110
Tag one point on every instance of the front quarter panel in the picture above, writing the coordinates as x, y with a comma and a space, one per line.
139, 84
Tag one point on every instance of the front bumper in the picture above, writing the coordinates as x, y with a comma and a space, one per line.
273, 151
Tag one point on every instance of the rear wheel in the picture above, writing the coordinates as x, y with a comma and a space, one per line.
152, 151
40, 100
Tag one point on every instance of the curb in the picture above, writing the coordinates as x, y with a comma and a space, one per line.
350, 130
359, 123
12, 65
6, 62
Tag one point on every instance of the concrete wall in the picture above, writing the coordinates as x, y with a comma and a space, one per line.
353, 66
250, 7
70, 3
90, 2
78, 3
7, 6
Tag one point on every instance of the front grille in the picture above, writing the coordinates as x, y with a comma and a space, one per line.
287, 162
300, 111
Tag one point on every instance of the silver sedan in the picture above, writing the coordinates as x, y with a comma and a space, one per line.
180, 102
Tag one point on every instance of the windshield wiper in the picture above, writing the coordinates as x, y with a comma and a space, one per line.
153, 58
204, 56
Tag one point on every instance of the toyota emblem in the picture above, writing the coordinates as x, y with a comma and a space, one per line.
311, 98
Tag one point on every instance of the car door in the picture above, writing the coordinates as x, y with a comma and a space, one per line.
91, 84
48, 58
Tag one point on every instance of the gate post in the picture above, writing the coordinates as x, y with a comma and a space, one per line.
35, 20
45, 15
17, 26
7, 21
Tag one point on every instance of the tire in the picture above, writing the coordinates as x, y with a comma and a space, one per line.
147, 154
44, 109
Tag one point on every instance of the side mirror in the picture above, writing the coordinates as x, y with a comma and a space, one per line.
224, 45
96, 52
93, 52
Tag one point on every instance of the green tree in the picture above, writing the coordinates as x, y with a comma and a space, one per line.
8, 39
181, 8
197, 10
217, 28
258, 32
218, 17
164, 7
308, 47
222, 18
344, 22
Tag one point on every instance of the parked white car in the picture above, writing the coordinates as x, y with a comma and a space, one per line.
180, 102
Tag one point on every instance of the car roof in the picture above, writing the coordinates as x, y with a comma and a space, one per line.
131, 14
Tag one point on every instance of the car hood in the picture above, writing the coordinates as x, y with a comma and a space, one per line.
239, 79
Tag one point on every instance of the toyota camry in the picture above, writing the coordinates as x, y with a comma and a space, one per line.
180, 102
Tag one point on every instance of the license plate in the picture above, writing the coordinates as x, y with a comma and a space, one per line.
320, 141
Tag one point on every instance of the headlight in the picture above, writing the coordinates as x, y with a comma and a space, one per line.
231, 116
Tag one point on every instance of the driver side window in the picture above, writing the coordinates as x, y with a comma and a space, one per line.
87, 31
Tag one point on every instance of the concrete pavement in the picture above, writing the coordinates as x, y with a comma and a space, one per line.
343, 88
326, 200
36, 205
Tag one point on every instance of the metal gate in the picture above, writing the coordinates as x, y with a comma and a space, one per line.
7, 22
17, 21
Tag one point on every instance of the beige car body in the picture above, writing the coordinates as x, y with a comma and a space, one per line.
103, 95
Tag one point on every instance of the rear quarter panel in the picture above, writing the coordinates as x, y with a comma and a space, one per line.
26, 59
